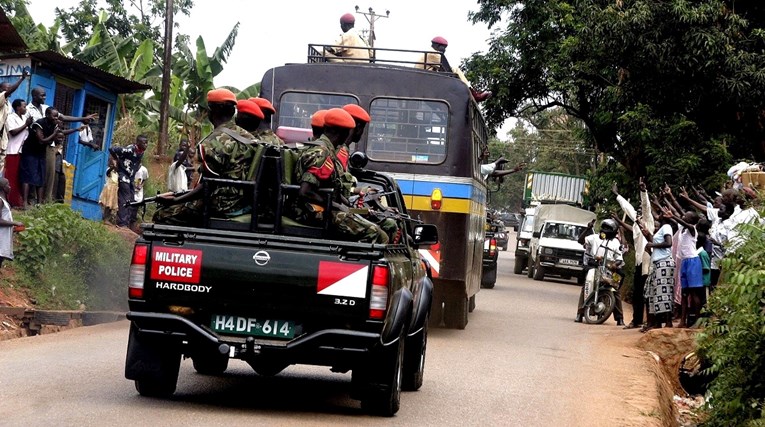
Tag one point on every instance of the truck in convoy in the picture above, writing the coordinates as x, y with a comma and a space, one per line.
273, 292
549, 187
545, 187
554, 248
426, 131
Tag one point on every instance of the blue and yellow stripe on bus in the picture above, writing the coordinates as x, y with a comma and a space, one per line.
460, 195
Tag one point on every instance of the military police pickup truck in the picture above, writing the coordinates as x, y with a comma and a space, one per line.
278, 293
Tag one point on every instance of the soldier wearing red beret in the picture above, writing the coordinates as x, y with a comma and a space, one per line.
350, 47
248, 115
437, 62
264, 132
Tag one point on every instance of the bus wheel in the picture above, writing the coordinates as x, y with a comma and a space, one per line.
456, 312
436, 311
471, 304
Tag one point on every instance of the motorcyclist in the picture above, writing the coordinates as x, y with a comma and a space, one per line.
602, 247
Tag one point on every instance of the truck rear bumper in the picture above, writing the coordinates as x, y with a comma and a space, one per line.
312, 345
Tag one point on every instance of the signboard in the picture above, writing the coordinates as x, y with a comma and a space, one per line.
14, 67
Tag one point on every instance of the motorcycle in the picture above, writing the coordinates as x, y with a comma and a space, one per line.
600, 300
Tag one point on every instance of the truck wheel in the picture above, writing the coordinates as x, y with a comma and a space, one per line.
456, 312
414, 359
489, 277
383, 391
210, 363
530, 268
471, 304
153, 364
539, 271
518, 266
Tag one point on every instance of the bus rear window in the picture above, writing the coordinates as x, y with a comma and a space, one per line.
296, 108
406, 130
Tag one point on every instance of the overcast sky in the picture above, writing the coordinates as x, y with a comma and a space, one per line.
273, 33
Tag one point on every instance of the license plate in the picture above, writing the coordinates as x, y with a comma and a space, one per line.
569, 261
253, 327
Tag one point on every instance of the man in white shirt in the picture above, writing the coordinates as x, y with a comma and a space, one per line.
6, 89
490, 169
18, 123
642, 258
350, 47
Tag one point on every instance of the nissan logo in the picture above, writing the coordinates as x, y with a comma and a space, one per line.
261, 257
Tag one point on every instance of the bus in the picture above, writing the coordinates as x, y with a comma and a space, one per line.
426, 131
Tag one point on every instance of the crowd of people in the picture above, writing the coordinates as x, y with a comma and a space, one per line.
679, 241
32, 144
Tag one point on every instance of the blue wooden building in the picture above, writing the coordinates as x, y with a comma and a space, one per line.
75, 89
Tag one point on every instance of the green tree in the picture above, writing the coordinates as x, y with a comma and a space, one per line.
650, 80
136, 20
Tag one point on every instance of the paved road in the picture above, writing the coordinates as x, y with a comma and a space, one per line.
521, 361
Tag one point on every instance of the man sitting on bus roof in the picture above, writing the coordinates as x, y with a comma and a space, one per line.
350, 47
437, 62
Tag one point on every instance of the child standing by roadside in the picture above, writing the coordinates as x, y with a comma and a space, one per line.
7, 224
108, 198
691, 273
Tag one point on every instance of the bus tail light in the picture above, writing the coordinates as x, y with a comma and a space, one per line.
380, 285
436, 199
492, 247
137, 271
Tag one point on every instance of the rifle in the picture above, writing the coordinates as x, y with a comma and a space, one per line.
153, 199
371, 201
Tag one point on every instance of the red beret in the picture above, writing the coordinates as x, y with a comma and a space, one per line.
264, 104
246, 106
357, 112
317, 119
347, 19
338, 117
221, 95
440, 40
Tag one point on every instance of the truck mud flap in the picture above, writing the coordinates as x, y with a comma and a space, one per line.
399, 314
423, 306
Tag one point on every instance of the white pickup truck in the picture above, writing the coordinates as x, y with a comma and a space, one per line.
554, 248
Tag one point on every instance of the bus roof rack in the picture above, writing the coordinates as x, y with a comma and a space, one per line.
319, 53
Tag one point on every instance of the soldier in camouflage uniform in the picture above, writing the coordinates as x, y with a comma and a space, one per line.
248, 115
228, 152
264, 132
362, 118
323, 166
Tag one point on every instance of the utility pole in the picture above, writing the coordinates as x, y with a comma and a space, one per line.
371, 18
164, 105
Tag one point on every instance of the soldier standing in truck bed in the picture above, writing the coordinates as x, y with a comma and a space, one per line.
319, 167
248, 115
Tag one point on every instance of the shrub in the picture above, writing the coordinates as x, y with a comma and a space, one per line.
733, 340
66, 260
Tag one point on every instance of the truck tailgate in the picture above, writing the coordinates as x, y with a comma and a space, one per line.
259, 281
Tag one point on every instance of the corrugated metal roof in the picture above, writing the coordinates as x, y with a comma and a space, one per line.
79, 70
11, 40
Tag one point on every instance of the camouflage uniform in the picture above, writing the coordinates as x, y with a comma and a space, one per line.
320, 167
226, 154
388, 225
267, 136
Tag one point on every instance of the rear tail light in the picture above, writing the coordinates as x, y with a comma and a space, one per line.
436, 199
492, 247
380, 284
137, 271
